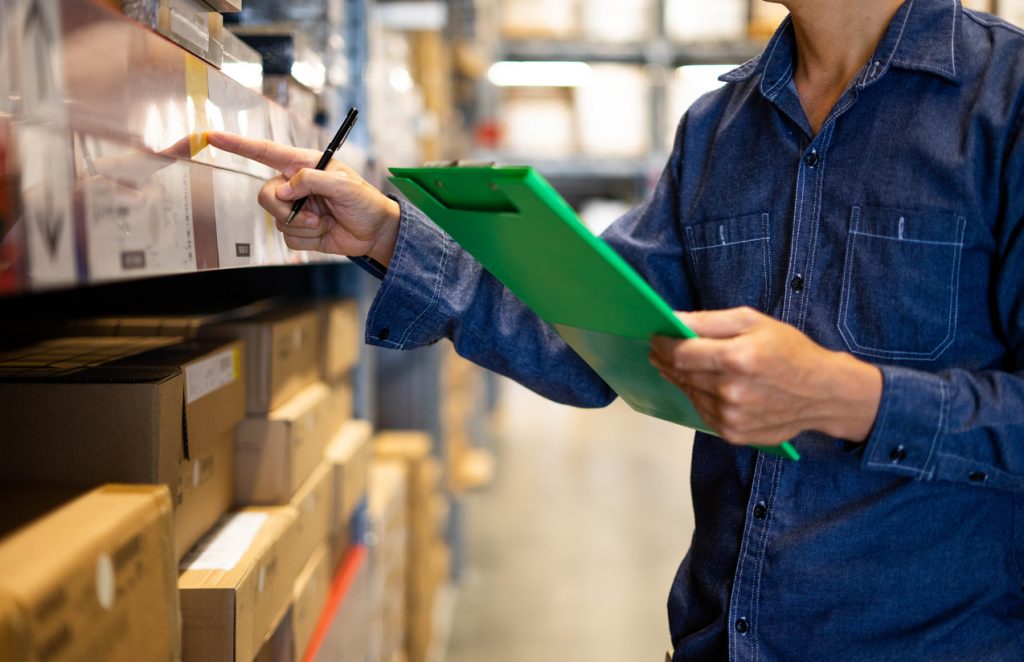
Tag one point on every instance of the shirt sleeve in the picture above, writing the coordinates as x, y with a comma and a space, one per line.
961, 425
433, 289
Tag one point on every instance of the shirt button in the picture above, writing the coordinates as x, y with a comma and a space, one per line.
797, 284
978, 477
384, 334
898, 454
742, 626
761, 510
811, 159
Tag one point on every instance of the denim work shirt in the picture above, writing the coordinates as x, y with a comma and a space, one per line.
896, 234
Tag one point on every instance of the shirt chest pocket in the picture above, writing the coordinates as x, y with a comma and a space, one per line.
731, 261
900, 281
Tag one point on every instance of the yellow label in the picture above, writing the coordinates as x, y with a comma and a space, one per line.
196, 91
237, 362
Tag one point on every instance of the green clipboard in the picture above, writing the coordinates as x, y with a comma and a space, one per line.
517, 226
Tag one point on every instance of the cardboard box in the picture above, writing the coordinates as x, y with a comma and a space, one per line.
93, 580
412, 450
309, 598
342, 338
235, 586
135, 410
342, 404
282, 350
349, 456
315, 506
280, 647
188, 23
276, 453
388, 499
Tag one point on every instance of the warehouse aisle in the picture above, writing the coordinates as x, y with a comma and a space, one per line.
572, 550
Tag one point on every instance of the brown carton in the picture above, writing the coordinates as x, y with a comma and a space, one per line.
276, 452
349, 456
235, 586
88, 411
388, 498
93, 580
314, 505
342, 341
309, 598
283, 350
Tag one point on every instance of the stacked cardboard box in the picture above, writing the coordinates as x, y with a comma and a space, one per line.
388, 507
467, 466
305, 451
349, 458
237, 584
93, 580
88, 411
427, 555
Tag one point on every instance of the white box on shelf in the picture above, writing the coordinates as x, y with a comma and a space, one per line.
538, 124
617, 21
613, 112
696, 20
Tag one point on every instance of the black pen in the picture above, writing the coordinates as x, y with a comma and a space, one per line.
336, 142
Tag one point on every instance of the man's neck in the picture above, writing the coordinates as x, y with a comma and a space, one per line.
834, 40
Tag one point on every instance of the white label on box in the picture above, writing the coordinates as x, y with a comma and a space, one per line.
210, 374
138, 212
106, 586
223, 549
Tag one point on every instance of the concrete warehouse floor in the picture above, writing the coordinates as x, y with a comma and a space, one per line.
571, 551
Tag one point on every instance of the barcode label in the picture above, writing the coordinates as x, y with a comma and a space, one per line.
210, 374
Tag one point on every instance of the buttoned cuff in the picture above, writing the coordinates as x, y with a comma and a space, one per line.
404, 314
908, 428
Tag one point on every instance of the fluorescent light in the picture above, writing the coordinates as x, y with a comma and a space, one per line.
539, 74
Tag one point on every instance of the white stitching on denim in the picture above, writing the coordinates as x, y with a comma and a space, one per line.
768, 61
738, 576
767, 262
403, 229
880, 431
952, 35
436, 294
731, 243
797, 214
910, 241
928, 469
951, 317
777, 87
816, 214
755, 598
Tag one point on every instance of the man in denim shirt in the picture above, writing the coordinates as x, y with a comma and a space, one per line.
861, 184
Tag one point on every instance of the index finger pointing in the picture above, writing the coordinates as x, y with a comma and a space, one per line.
287, 160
